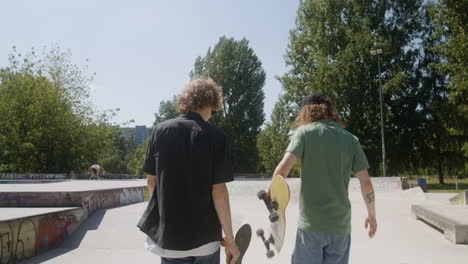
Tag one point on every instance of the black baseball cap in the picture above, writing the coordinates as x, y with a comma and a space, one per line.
315, 98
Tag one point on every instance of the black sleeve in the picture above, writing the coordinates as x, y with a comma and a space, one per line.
149, 164
222, 162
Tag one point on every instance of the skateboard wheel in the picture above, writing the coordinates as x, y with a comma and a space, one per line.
270, 253
261, 195
273, 217
260, 232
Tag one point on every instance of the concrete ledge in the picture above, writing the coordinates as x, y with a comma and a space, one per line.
28, 233
33, 176
28, 229
88, 199
451, 220
91, 195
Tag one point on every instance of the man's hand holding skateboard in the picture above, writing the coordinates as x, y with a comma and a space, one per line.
232, 252
236, 248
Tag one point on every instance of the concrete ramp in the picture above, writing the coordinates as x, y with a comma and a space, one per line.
414, 194
381, 184
460, 199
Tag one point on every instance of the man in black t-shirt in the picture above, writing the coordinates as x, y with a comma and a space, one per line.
188, 166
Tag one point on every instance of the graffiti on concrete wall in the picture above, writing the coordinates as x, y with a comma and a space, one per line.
106, 199
52, 231
24, 238
35, 199
29, 176
17, 241
131, 195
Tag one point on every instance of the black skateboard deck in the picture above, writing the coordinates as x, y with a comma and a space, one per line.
242, 239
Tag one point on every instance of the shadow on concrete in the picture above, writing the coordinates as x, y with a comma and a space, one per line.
73, 241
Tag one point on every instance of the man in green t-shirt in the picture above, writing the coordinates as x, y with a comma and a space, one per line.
329, 155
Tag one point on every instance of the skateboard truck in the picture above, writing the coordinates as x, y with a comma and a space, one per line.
266, 242
272, 205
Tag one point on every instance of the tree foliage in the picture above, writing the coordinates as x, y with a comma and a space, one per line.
136, 159
274, 138
46, 123
448, 38
235, 67
329, 51
167, 110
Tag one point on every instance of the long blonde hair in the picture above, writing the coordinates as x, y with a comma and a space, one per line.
314, 112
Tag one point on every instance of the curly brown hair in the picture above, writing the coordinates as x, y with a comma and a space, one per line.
314, 112
199, 93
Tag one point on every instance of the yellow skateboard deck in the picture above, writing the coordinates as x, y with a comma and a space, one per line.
276, 204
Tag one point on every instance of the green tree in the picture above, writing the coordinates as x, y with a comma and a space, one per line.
117, 161
136, 159
329, 51
167, 110
235, 67
274, 138
450, 37
46, 123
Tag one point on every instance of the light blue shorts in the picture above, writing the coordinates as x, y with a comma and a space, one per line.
319, 248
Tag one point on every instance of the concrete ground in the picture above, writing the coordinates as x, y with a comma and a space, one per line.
111, 236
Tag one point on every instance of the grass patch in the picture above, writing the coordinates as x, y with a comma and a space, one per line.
448, 186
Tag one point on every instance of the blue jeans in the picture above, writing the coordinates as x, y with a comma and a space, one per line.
318, 248
210, 259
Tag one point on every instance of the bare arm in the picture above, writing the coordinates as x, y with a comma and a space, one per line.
221, 202
151, 181
285, 165
368, 195
220, 195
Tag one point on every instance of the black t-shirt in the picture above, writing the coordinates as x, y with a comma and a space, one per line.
188, 156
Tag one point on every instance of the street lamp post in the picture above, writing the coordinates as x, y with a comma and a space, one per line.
377, 53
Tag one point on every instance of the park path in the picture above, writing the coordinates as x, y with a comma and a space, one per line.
111, 235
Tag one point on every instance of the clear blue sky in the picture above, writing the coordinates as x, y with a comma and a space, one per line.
143, 50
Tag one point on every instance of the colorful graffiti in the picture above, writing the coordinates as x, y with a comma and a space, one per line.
17, 241
24, 238
107, 199
52, 230
35, 199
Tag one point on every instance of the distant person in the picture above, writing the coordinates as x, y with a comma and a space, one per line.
329, 155
188, 166
422, 183
95, 169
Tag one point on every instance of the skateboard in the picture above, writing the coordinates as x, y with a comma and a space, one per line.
242, 238
276, 204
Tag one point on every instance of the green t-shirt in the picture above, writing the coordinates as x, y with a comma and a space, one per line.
329, 156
